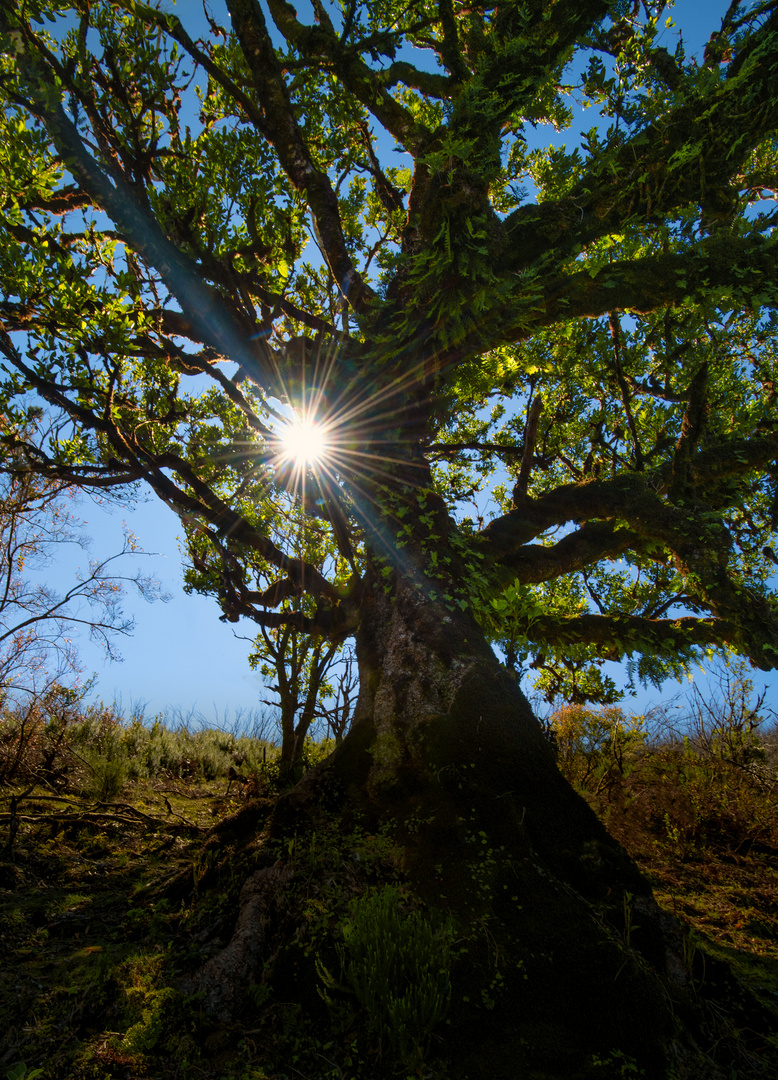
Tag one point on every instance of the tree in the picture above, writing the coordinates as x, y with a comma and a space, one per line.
299, 663
296, 662
37, 621
40, 674
199, 235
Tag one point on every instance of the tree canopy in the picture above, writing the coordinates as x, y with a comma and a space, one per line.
545, 378
543, 382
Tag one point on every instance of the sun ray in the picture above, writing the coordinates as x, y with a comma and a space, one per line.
303, 442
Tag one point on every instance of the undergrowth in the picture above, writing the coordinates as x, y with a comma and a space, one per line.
109, 897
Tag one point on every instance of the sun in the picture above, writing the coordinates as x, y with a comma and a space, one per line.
304, 442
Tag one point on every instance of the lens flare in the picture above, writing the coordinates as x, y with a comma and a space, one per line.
304, 442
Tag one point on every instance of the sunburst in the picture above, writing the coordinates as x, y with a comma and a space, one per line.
304, 442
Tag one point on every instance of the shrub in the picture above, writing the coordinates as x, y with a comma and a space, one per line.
689, 776
728, 723
397, 965
596, 746
35, 736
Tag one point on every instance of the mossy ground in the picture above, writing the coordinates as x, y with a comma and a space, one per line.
104, 907
85, 942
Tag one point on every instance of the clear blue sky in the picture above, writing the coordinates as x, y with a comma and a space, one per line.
181, 656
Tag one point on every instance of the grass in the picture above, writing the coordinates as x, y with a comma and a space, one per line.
94, 941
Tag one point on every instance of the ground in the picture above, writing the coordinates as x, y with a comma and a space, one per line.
110, 907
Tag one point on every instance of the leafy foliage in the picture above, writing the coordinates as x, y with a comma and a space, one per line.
565, 404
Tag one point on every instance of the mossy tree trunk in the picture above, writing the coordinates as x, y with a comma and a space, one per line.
566, 961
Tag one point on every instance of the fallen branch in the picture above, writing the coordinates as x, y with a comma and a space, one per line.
94, 816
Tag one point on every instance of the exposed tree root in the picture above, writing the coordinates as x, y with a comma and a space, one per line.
225, 977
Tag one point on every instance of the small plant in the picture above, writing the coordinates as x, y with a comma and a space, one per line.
107, 781
617, 1059
673, 832
628, 910
21, 1072
146, 1034
397, 965
694, 958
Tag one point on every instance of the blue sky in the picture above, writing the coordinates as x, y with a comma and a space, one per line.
181, 657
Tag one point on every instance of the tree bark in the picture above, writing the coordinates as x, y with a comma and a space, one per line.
445, 745
445, 752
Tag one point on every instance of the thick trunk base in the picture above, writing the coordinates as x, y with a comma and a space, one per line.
565, 967
563, 964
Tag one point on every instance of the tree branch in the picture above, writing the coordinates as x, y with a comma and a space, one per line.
724, 261
320, 44
632, 495
692, 428
205, 308
586, 546
284, 132
530, 439
650, 174
697, 538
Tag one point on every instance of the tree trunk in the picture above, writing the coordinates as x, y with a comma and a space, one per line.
445, 744
567, 968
